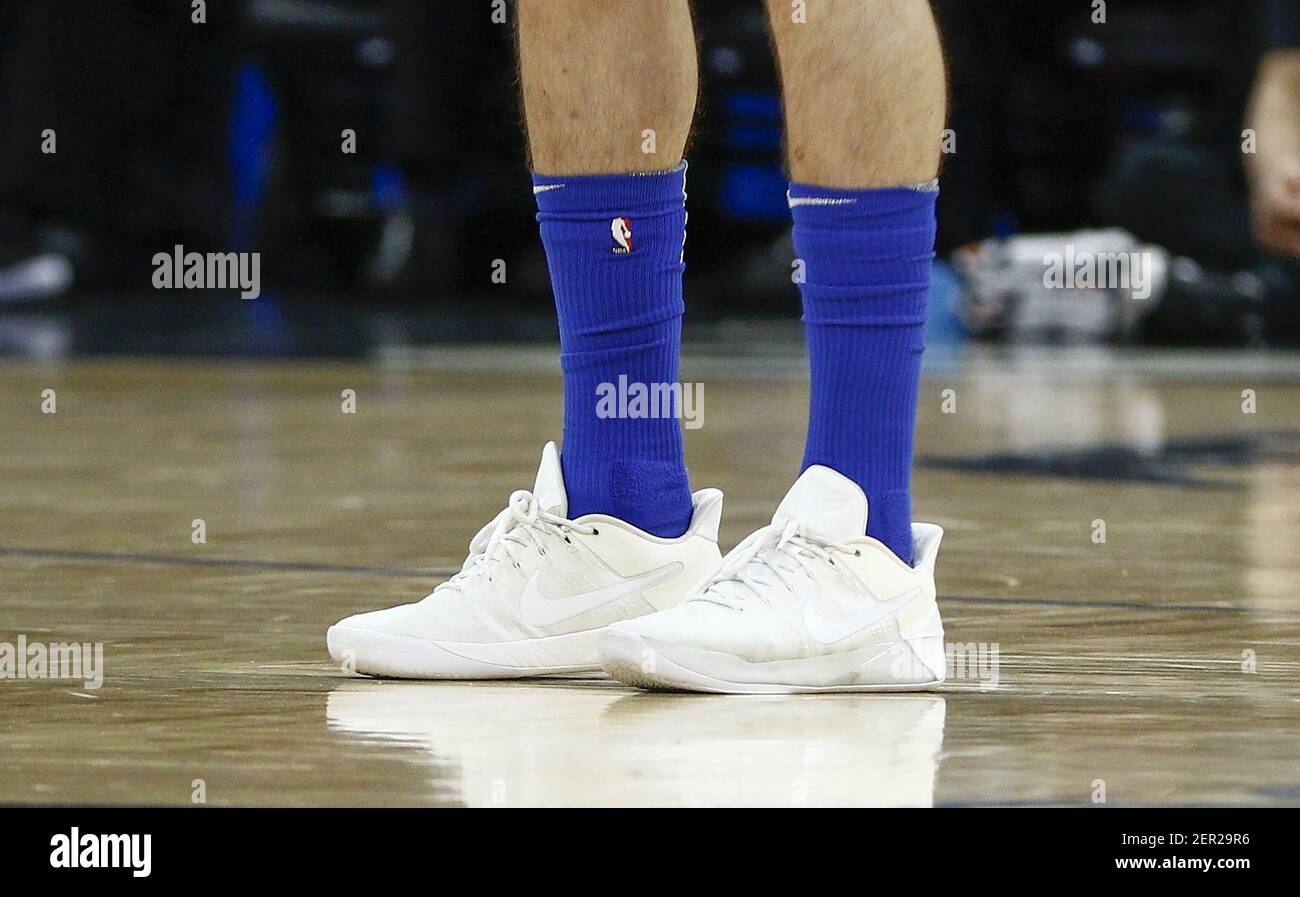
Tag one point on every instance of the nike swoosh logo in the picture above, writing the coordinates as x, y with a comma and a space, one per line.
828, 632
538, 610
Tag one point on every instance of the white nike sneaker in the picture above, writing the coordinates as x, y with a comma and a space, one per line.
807, 604
534, 592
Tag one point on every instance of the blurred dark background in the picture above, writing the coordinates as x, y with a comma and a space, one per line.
228, 134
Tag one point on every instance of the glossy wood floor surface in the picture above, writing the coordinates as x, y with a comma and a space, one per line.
1161, 666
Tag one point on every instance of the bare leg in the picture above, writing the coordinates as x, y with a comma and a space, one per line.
865, 94
598, 75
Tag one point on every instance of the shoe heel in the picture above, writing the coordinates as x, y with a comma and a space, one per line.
926, 642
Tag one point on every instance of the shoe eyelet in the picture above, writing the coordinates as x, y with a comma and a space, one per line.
857, 552
567, 539
595, 532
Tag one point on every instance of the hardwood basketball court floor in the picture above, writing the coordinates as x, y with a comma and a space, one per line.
1120, 582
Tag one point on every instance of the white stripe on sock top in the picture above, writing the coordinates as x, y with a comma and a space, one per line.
817, 201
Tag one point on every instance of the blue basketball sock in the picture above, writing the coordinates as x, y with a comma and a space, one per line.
866, 257
614, 244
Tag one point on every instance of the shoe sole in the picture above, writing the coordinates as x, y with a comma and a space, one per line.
404, 657
913, 663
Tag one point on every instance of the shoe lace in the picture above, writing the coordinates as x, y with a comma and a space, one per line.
774, 551
521, 524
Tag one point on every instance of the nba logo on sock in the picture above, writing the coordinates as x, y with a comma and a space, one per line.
621, 229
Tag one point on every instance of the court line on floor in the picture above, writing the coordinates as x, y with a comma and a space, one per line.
1109, 605
420, 572
233, 563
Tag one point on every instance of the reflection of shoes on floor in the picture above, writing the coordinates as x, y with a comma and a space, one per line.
589, 744
534, 592
485, 744
881, 750
806, 604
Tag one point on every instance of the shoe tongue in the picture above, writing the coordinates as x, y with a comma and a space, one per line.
549, 487
826, 503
